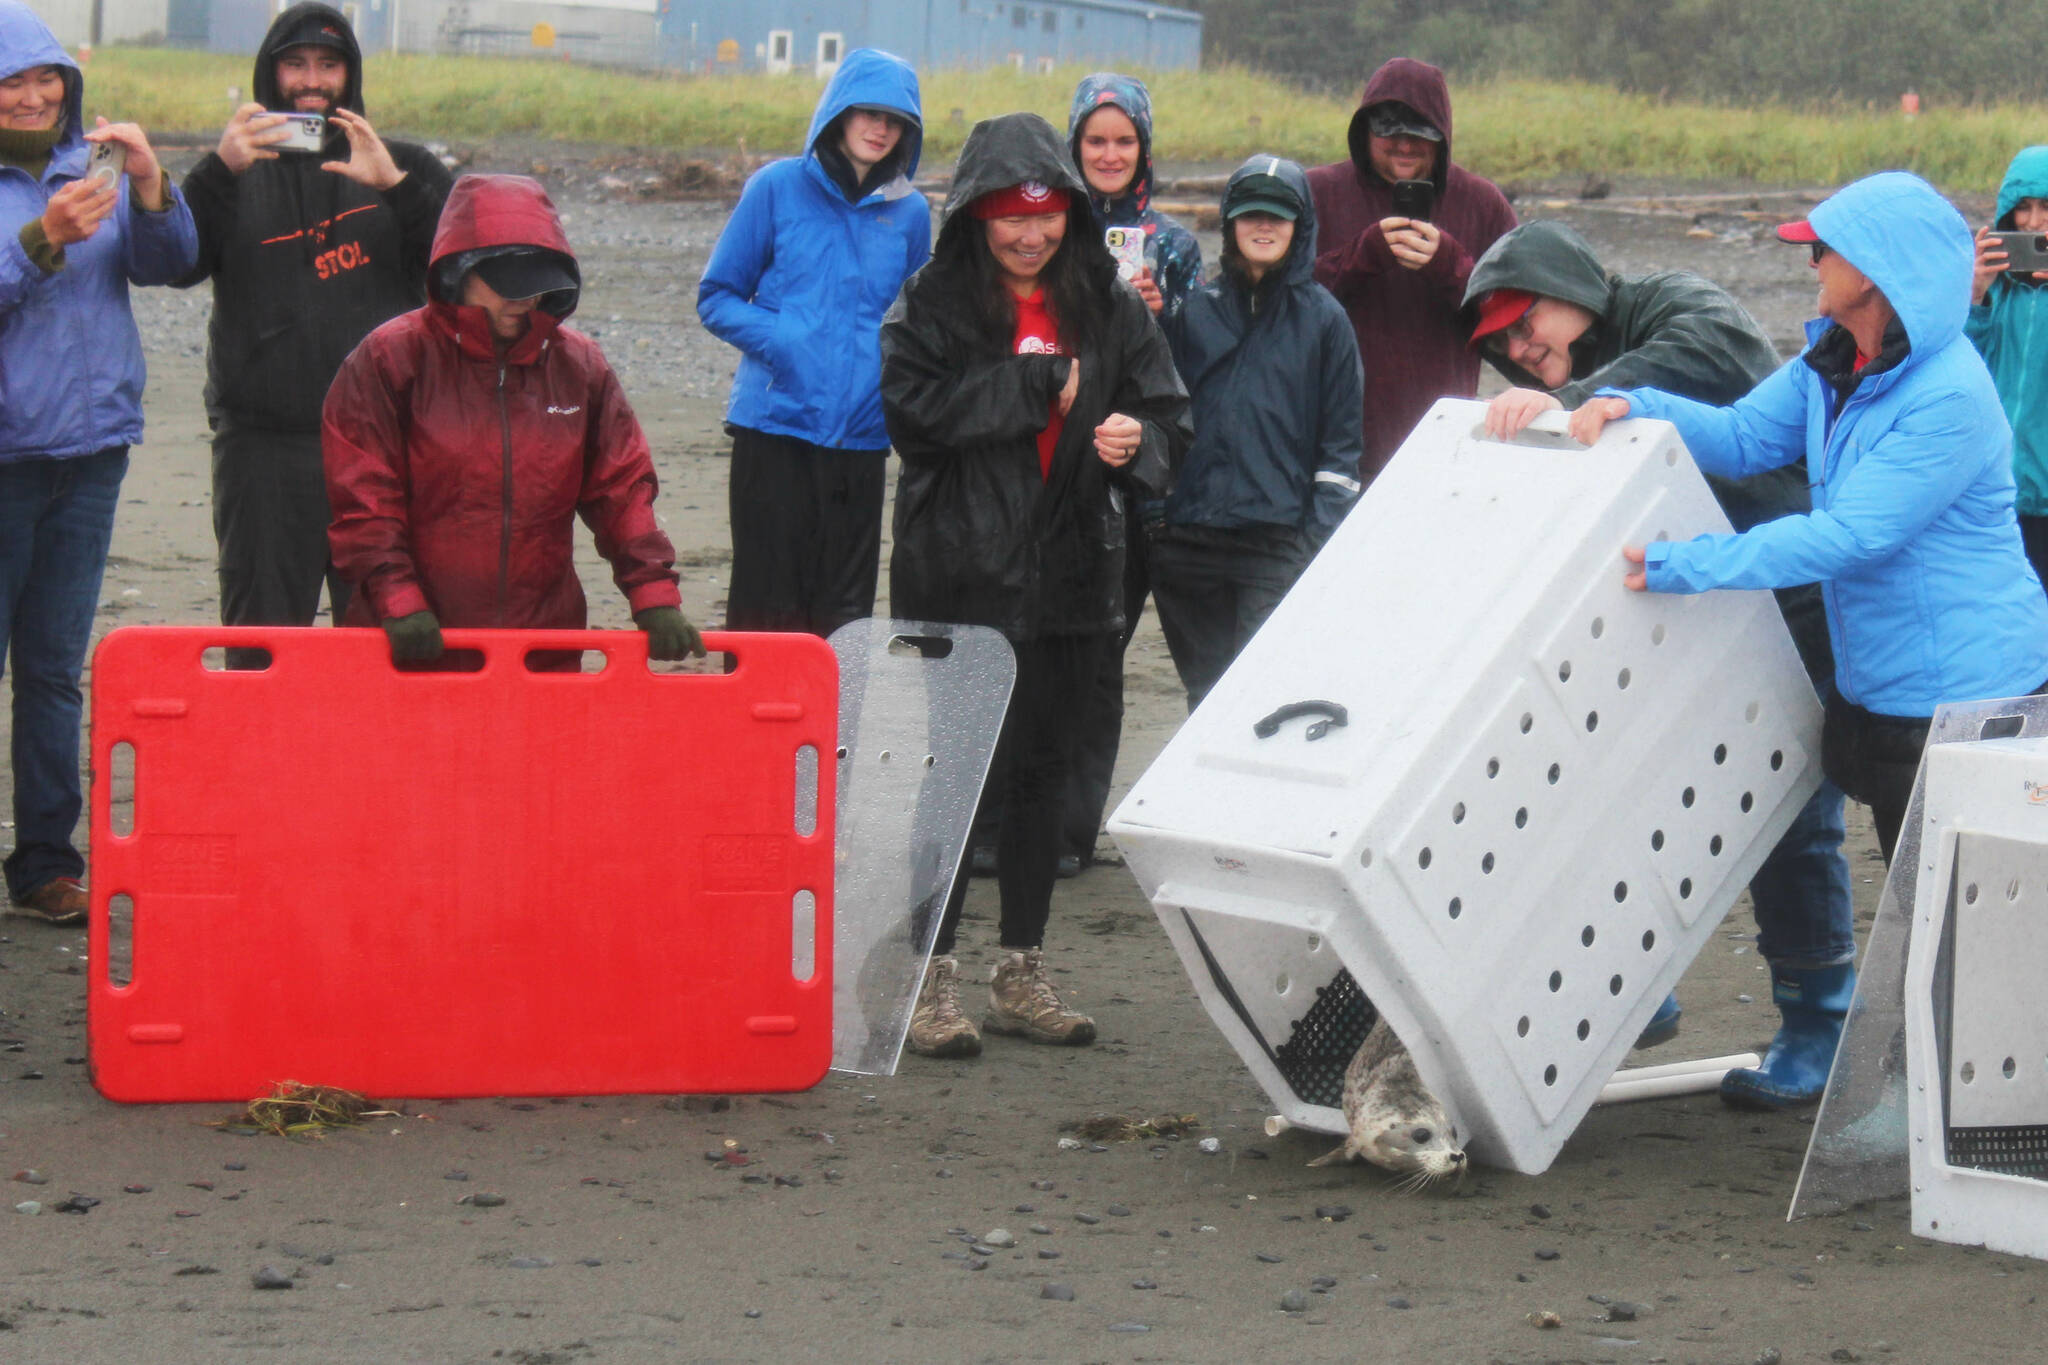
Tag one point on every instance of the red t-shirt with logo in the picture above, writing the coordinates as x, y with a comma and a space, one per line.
1038, 334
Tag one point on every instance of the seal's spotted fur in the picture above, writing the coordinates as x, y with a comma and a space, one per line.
1395, 1122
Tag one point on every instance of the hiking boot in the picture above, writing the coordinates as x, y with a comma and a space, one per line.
938, 1028
1023, 1003
60, 900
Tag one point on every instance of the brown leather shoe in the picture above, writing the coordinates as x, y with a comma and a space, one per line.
61, 900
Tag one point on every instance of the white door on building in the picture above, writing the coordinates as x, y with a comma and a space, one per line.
831, 49
780, 41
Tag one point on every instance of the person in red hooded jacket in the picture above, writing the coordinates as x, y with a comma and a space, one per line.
462, 439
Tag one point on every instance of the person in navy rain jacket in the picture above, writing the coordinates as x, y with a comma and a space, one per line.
810, 260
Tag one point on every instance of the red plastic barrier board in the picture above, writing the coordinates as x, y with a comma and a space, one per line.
461, 883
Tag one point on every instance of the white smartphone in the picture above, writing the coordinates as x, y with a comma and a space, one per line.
1127, 244
107, 163
303, 133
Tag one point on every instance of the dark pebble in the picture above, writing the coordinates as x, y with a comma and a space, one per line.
1398, 1302
199, 1184
590, 1261
1041, 1185
1255, 1154
1128, 1327
1844, 1353
233, 1166
981, 1249
1269, 1258
1294, 1301
1323, 1282
1117, 1211
942, 1174
962, 1233
1547, 1253
270, 1277
1088, 1218
1093, 1146
1027, 1208
184, 1213
530, 1263
1624, 1312
1041, 1229
456, 1175
483, 1199
74, 1061
1048, 1254
953, 1256
793, 1182
1164, 1232
753, 1313
31, 1075
1539, 1210
1769, 1356
197, 1270
525, 1108
1524, 1277
1144, 1284
135, 1189
1859, 1227
1336, 1213
1062, 1293
324, 1258
77, 1203
1801, 1277
973, 1264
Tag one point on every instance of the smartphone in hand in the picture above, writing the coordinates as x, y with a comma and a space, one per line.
2024, 251
1414, 199
106, 163
1127, 245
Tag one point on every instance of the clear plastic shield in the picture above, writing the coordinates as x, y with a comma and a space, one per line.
920, 706
1858, 1151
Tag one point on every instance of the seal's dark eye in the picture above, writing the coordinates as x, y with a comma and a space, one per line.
1422, 1137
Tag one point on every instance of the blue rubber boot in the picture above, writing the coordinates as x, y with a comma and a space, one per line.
1663, 1025
1812, 1003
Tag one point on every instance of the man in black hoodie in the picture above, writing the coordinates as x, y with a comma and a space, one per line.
308, 252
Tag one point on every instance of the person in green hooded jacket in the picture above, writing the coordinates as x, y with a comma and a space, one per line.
2008, 324
1560, 327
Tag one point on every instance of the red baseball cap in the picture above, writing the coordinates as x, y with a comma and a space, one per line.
1020, 201
1801, 231
1501, 309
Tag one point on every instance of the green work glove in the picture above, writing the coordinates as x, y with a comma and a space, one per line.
415, 638
669, 633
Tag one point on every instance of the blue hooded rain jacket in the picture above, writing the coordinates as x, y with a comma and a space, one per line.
802, 274
1912, 536
1172, 252
71, 370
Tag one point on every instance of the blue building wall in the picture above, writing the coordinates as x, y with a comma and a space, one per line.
739, 35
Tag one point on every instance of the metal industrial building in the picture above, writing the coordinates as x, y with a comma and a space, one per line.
703, 36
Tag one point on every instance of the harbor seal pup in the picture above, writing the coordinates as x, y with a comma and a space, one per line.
1395, 1122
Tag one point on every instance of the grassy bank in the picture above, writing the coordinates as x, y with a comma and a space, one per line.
1510, 130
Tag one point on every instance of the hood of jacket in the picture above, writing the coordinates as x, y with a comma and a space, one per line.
1545, 258
1913, 245
264, 82
1129, 94
486, 213
26, 41
1013, 150
884, 80
1299, 267
1421, 87
2026, 178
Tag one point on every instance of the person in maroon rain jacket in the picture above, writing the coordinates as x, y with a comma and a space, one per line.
463, 438
1402, 280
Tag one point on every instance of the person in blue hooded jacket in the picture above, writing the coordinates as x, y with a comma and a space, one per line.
1277, 389
811, 258
1912, 536
71, 377
2009, 325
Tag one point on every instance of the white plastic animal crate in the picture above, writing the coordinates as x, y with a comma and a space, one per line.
1976, 1035
1545, 793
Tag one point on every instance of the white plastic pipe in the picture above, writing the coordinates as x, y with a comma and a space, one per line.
1674, 1078
1639, 1083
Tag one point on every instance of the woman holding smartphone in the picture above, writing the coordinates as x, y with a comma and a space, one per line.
1029, 396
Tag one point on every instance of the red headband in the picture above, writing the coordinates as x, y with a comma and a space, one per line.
1019, 201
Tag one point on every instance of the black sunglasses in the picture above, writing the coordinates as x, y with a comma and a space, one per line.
1819, 249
